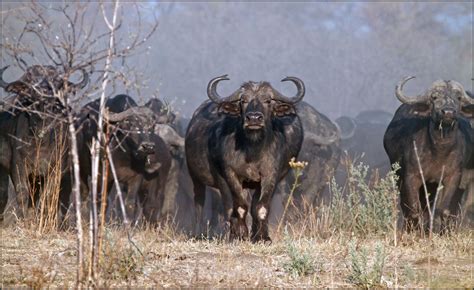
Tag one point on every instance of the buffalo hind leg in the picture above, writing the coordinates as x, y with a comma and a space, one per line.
199, 199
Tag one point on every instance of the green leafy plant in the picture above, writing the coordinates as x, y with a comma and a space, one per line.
301, 263
366, 272
361, 208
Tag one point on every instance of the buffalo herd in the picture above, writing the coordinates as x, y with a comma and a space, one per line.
231, 159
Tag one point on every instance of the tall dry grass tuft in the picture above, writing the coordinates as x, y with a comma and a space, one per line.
44, 182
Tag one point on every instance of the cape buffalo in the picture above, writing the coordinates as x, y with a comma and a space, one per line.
32, 131
320, 149
141, 158
433, 121
41, 81
242, 142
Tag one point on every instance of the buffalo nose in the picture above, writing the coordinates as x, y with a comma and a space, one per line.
254, 116
448, 112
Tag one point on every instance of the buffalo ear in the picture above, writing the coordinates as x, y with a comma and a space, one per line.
468, 111
282, 109
230, 108
421, 109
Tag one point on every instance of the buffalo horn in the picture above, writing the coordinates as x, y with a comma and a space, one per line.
3, 83
211, 89
405, 99
299, 95
140, 112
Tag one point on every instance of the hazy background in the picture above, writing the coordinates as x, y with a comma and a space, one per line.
350, 55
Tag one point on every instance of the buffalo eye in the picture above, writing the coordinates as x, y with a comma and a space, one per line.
268, 101
458, 95
435, 95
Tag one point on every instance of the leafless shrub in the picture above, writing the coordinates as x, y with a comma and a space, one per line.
72, 37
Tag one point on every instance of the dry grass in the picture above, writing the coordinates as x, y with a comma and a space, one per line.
353, 241
44, 182
162, 257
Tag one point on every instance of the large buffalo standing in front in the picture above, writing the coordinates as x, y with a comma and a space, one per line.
433, 121
243, 142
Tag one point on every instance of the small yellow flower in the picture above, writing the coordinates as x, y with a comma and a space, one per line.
297, 164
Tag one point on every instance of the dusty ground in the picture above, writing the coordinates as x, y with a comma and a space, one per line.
169, 259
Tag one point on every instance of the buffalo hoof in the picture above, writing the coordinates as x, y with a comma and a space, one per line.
265, 239
238, 230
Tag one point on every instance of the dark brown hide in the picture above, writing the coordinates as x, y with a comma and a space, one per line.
435, 121
29, 134
141, 158
240, 143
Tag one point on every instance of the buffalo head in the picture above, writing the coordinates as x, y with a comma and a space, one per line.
40, 80
256, 103
135, 128
444, 101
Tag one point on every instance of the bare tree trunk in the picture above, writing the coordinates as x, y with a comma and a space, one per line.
77, 198
97, 143
104, 191
93, 215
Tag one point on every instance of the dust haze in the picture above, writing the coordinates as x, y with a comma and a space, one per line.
350, 55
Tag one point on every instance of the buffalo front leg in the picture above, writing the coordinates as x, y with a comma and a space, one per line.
449, 203
151, 202
224, 199
410, 202
238, 215
132, 202
261, 210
